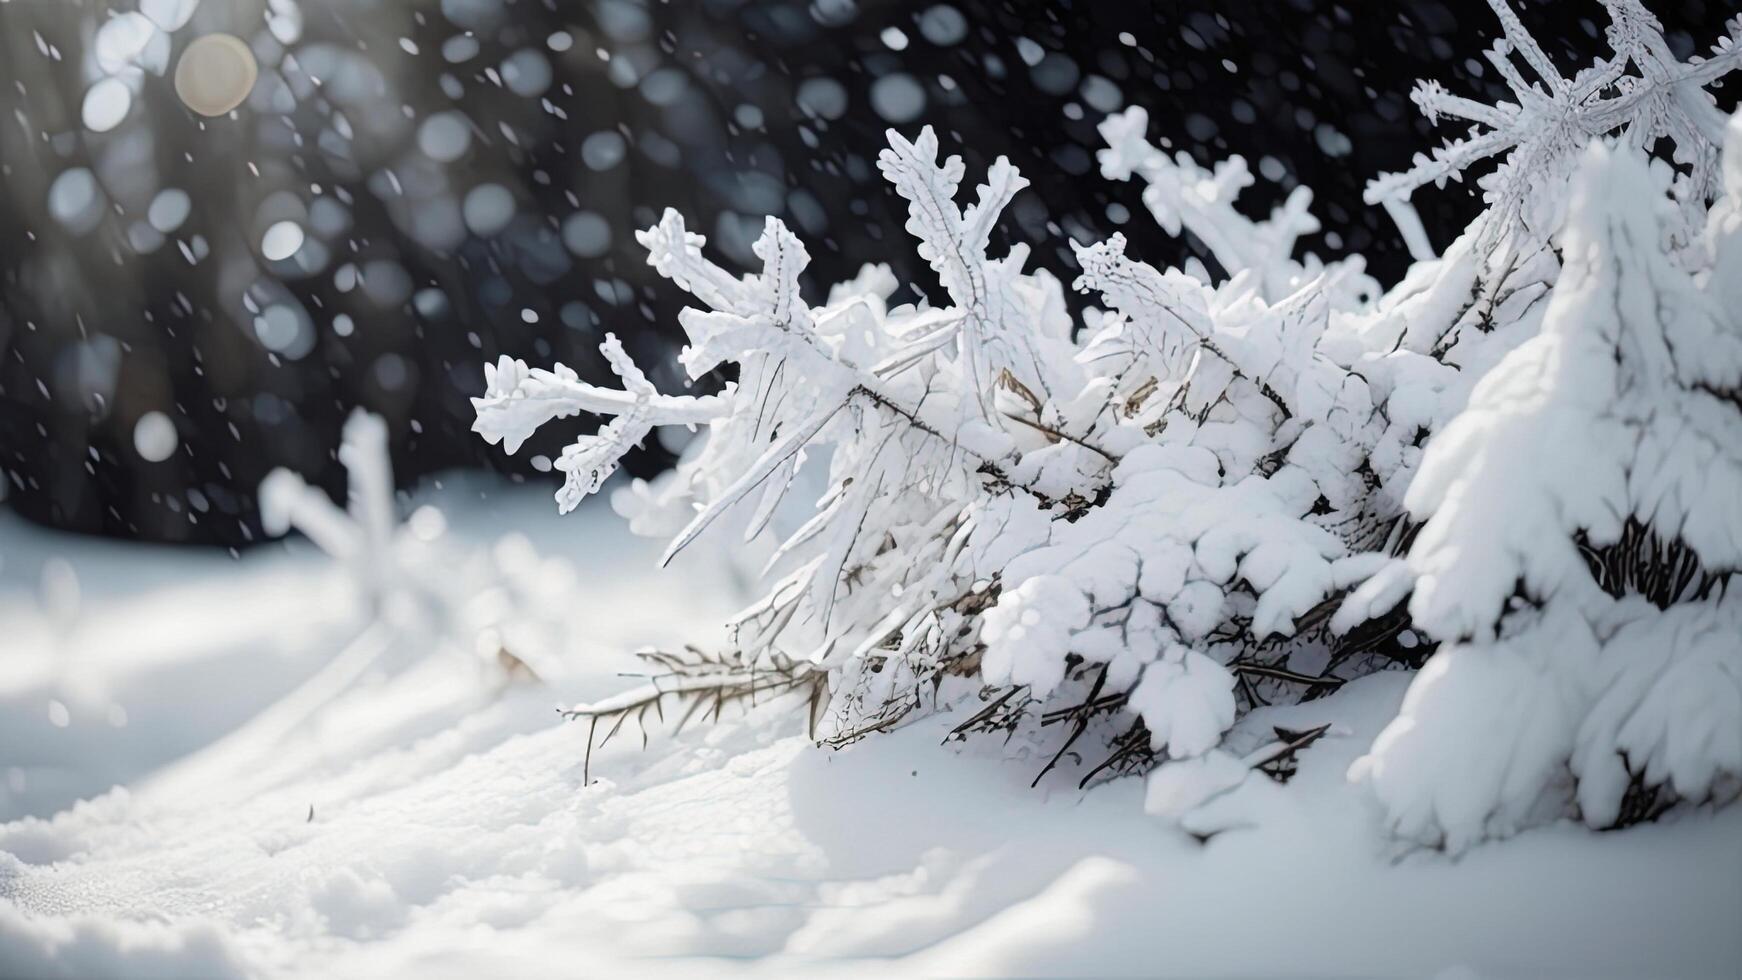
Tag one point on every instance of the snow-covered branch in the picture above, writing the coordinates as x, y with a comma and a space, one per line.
1641, 92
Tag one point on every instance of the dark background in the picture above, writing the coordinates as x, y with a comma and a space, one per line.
724, 110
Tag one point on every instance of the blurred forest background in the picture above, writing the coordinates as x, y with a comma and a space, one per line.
414, 187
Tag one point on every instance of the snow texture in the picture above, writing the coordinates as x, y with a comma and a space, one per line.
426, 825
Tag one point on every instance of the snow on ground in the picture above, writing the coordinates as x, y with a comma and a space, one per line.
433, 820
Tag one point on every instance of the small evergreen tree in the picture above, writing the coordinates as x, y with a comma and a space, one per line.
1583, 515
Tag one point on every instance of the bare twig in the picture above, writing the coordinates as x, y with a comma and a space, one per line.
1276, 760
700, 681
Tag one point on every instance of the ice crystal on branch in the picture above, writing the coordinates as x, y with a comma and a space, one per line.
1641, 92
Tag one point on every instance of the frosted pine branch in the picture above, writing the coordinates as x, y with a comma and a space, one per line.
1640, 91
1183, 196
517, 400
993, 326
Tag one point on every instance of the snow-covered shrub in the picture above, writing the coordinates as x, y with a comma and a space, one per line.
1120, 526
1145, 526
411, 574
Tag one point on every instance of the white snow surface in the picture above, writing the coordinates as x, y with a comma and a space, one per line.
433, 820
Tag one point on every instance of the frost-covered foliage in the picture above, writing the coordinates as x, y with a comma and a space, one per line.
1641, 92
1212, 497
924, 417
1184, 196
1142, 514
